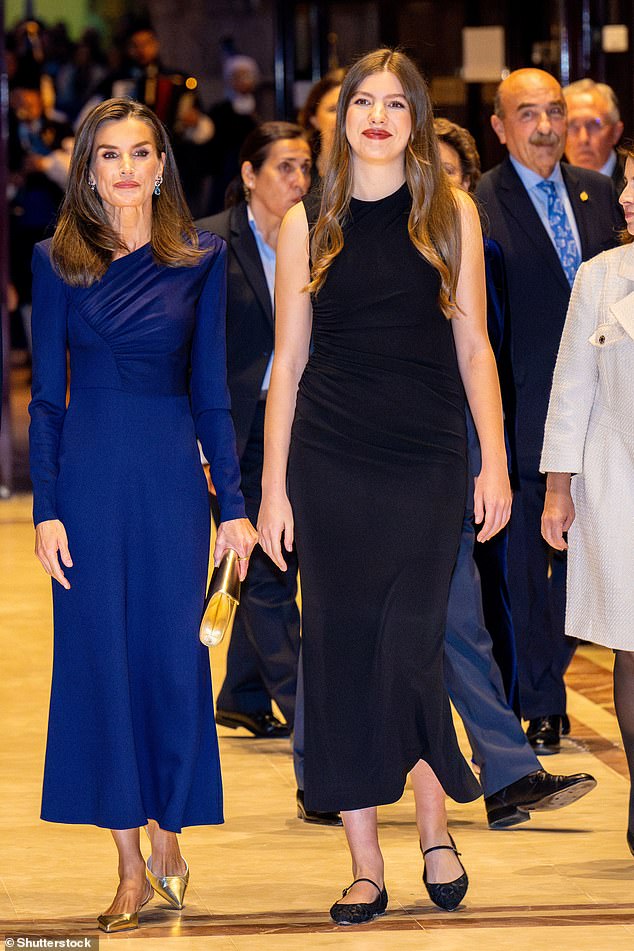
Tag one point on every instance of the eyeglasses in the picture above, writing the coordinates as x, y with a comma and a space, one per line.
592, 126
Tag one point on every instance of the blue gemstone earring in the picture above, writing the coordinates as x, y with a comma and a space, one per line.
157, 185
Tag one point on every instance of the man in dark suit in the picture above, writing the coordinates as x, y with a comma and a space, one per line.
594, 129
547, 217
263, 653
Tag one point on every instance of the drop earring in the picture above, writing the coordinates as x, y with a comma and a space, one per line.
92, 186
157, 185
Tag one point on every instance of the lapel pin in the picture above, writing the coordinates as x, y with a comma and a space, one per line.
583, 196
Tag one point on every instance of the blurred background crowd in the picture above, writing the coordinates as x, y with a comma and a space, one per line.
213, 71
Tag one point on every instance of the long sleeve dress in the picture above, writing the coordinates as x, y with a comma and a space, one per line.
590, 433
131, 728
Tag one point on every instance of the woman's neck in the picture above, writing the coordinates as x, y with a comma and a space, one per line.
132, 225
372, 182
268, 224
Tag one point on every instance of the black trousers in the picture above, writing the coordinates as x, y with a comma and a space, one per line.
537, 582
264, 648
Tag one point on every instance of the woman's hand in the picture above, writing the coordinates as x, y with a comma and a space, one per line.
240, 535
492, 499
559, 510
274, 518
50, 538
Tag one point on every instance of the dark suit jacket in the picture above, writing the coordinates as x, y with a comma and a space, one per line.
250, 328
537, 286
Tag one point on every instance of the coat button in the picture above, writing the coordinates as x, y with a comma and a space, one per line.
601, 339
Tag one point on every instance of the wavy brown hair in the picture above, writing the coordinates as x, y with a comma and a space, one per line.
84, 240
434, 221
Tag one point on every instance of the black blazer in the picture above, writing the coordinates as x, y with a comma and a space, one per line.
538, 289
250, 328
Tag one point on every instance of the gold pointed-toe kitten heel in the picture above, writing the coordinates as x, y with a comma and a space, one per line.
170, 887
124, 921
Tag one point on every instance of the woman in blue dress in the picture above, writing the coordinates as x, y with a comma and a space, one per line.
137, 298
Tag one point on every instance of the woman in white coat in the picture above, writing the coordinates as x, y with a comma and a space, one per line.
588, 455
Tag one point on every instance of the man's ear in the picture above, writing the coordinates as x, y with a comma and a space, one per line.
498, 127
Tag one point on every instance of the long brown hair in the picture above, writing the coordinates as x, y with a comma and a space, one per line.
434, 221
84, 240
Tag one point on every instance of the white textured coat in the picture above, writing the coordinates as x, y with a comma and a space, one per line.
590, 432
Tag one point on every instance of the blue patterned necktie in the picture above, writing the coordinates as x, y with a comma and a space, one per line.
562, 232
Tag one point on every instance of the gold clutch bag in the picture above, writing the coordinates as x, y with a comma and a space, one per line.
223, 597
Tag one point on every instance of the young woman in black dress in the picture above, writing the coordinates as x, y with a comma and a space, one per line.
370, 423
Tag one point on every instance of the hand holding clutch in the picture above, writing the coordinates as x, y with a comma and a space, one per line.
223, 597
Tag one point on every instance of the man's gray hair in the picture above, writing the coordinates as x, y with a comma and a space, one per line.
602, 89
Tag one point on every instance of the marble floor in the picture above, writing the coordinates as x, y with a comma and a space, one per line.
264, 880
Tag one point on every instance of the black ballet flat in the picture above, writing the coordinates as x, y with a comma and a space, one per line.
630, 840
360, 912
447, 895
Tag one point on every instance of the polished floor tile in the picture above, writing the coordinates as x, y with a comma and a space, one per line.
264, 881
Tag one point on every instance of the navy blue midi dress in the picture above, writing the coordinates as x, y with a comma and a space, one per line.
131, 726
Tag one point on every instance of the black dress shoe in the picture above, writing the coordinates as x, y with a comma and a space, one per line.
544, 734
360, 912
630, 840
262, 725
312, 815
446, 895
537, 792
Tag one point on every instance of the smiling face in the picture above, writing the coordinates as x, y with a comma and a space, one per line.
125, 163
282, 179
626, 197
532, 120
592, 134
378, 119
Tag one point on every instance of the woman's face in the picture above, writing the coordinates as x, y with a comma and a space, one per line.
626, 197
125, 163
325, 117
452, 165
283, 178
378, 120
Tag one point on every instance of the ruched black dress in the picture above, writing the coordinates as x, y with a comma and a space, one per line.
377, 478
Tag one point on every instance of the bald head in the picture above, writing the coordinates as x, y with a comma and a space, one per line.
530, 119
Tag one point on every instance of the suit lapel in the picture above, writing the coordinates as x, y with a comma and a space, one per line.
582, 208
519, 206
246, 251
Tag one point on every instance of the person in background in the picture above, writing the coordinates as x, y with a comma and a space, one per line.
478, 646
594, 128
318, 116
588, 456
232, 119
547, 217
275, 164
39, 158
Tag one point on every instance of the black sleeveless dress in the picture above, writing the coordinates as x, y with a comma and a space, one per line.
377, 481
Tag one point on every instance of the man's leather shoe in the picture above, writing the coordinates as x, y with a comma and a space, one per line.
537, 792
544, 734
263, 725
317, 818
